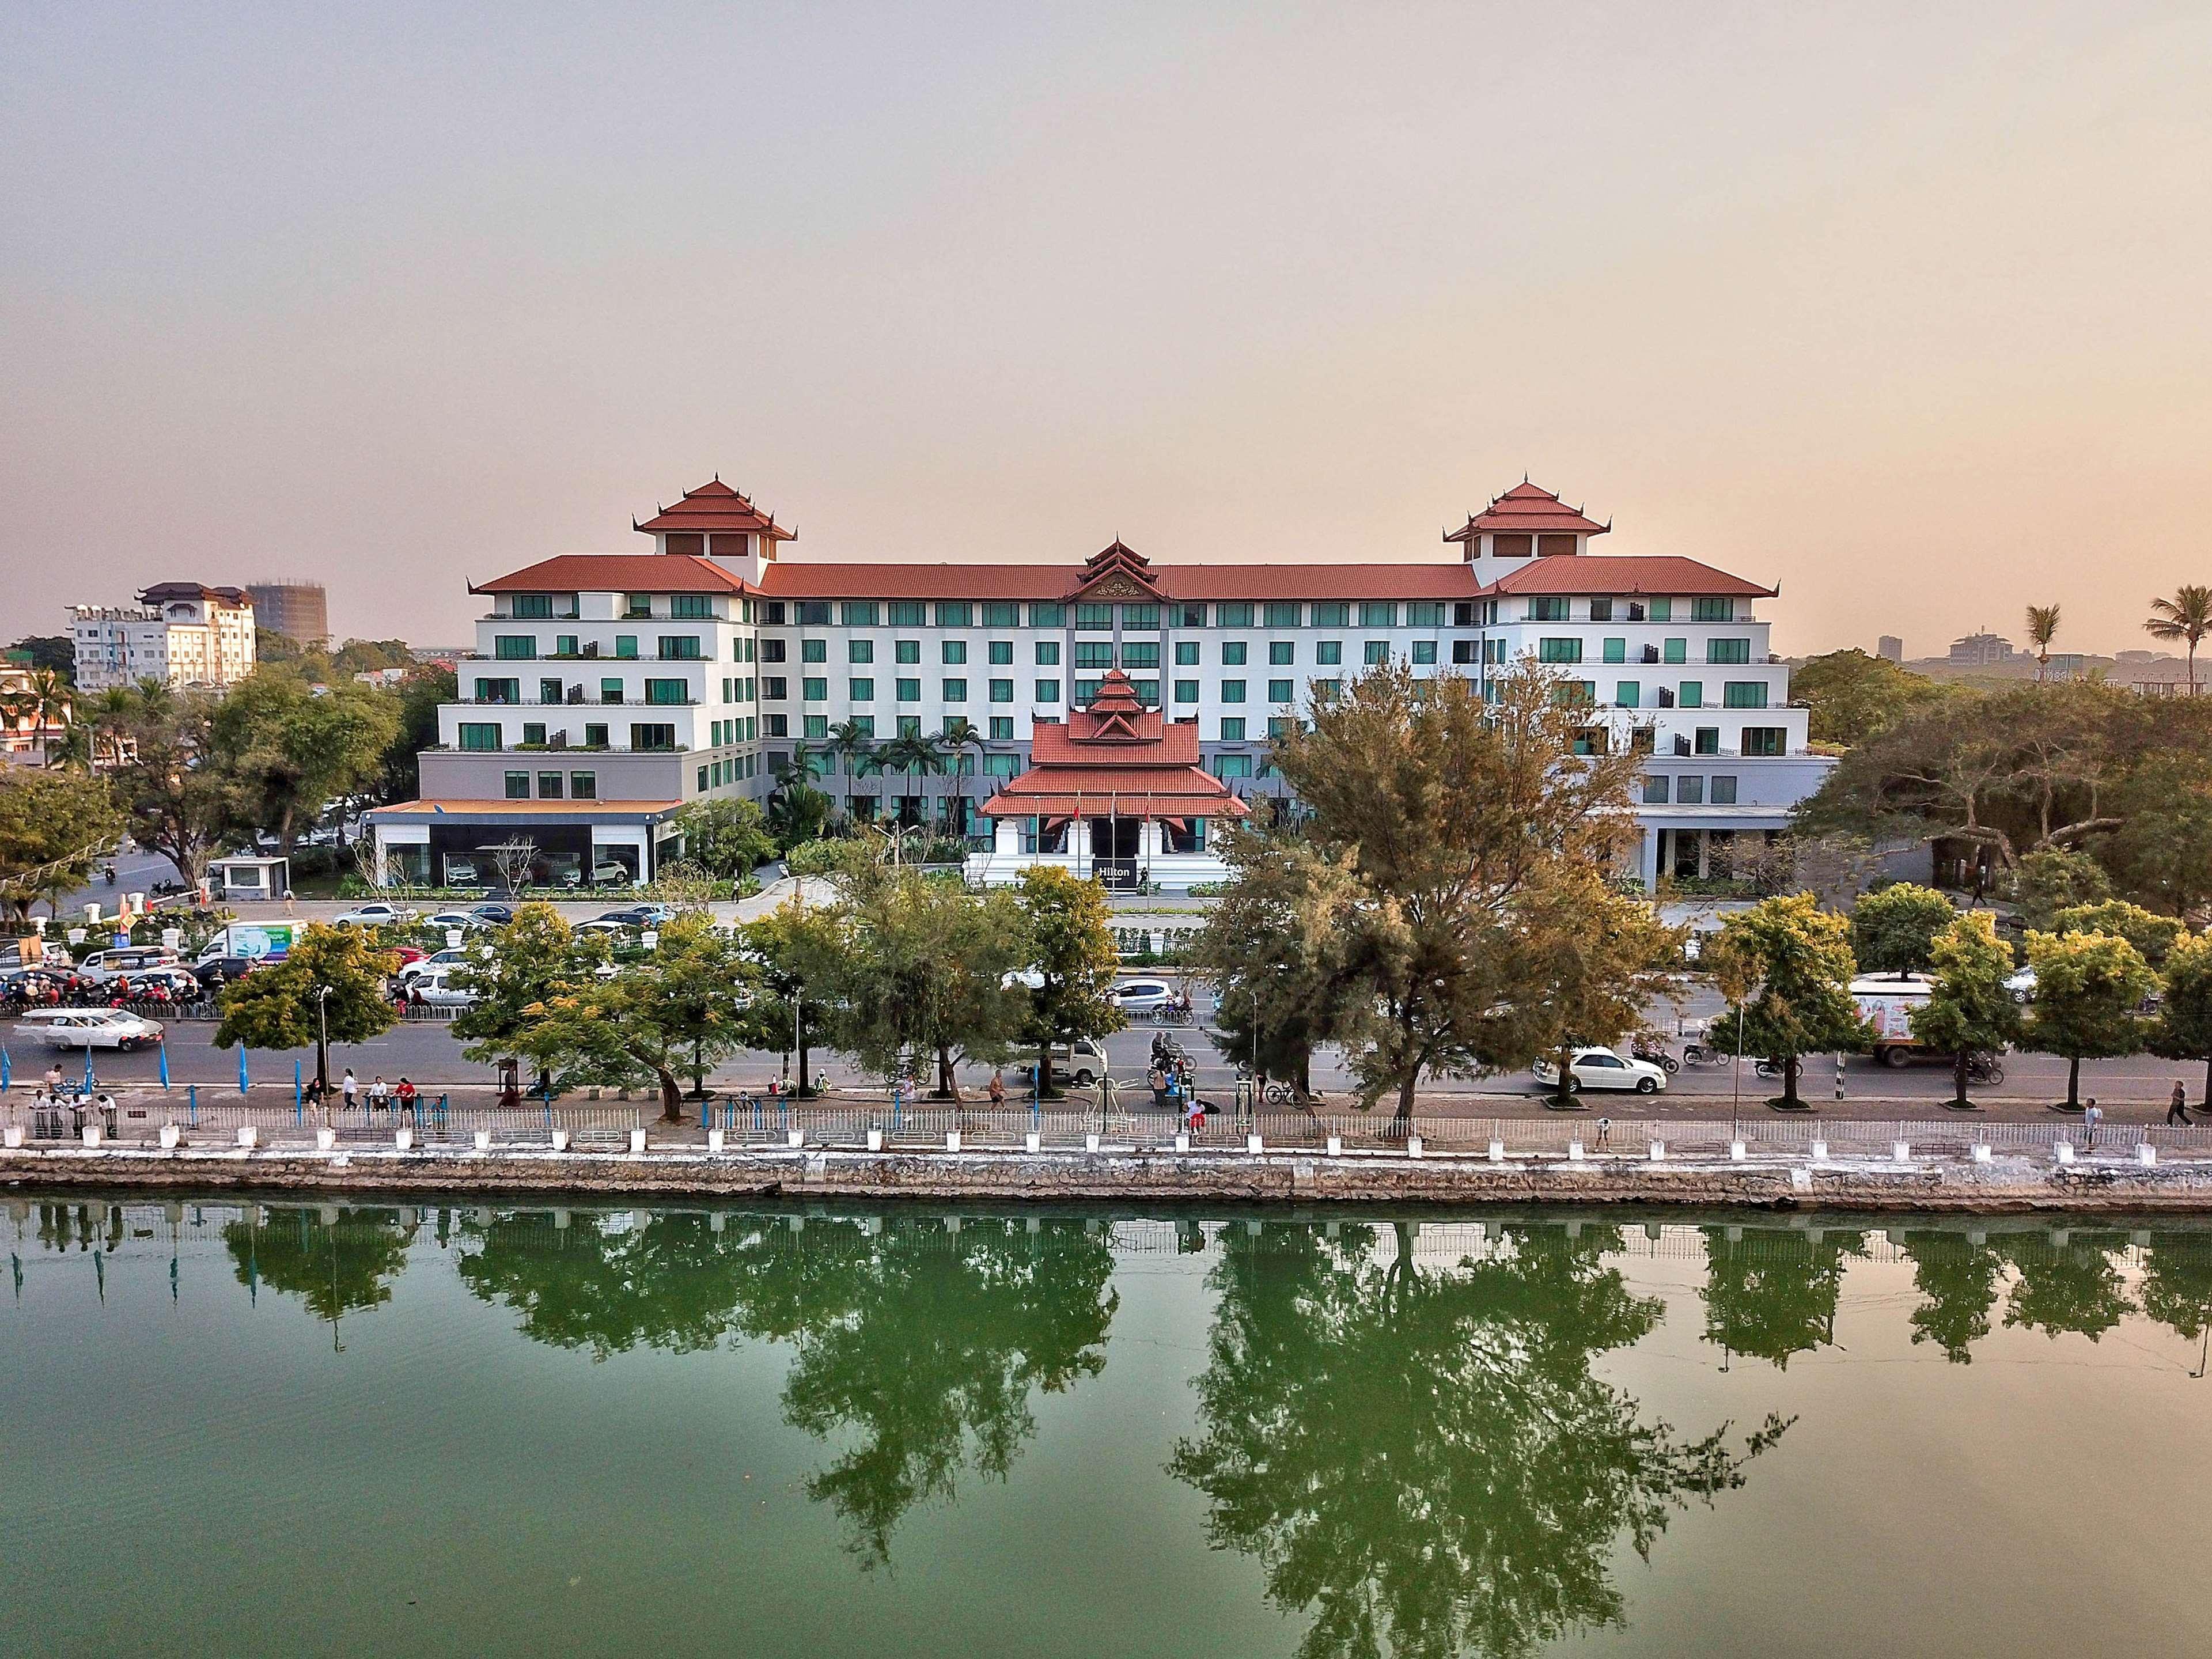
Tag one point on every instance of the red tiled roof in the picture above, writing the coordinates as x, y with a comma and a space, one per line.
1528, 508
1115, 751
715, 507
788, 580
1663, 574
616, 572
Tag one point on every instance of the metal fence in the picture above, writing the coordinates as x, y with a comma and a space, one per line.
434, 1121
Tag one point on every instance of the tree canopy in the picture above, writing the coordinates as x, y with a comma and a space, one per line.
1971, 1008
55, 826
1785, 966
1070, 962
1854, 697
2088, 989
1894, 929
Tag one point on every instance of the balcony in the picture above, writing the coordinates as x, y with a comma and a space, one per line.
577, 702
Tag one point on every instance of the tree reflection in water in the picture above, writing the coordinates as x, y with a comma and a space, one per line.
1421, 1455
1959, 1276
918, 1339
2068, 1282
1771, 1293
338, 1260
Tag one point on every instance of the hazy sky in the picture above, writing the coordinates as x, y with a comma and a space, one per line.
1908, 307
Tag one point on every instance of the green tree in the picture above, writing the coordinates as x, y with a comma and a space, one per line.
1426, 1460
45, 702
2186, 617
2161, 854
1771, 1293
676, 1013
2152, 935
50, 654
1970, 1010
728, 836
526, 964
2185, 1020
330, 987
1854, 697
801, 952
2059, 879
177, 804
2088, 989
930, 970
2042, 629
1071, 962
283, 749
1279, 976
798, 811
1785, 966
2177, 1281
419, 697
1593, 961
1959, 1281
1432, 818
55, 826
1894, 929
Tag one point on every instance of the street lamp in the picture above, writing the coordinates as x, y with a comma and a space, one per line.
323, 1048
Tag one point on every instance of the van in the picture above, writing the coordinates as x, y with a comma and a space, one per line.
1081, 1063
120, 959
1887, 1002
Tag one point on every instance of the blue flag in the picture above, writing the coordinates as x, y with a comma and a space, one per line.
165, 1064
242, 1085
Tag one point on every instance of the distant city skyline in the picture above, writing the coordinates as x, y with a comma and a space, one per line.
1891, 306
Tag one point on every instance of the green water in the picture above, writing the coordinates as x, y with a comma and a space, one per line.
242, 1430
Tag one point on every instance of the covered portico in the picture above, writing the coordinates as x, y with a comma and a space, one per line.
1117, 794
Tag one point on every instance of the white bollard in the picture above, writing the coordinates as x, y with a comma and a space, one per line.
794, 1138
2064, 1152
1900, 1152
875, 1140
1574, 1151
2146, 1154
1183, 1143
637, 1140
13, 1136
483, 1141
1982, 1153
1090, 1143
1413, 1145
952, 1140
1251, 1143
715, 1138
248, 1135
1033, 1141
1658, 1152
560, 1140
1819, 1151
1335, 1145
1497, 1152
170, 1135
403, 1138
1736, 1151
92, 1134
325, 1139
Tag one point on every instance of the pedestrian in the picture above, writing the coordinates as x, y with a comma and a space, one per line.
2092, 1115
53, 1080
350, 1088
999, 1088
406, 1095
1604, 1131
2177, 1108
380, 1095
1194, 1115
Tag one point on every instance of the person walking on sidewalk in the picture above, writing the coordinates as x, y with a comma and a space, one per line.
998, 1089
2177, 1108
349, 1087
2092, 1115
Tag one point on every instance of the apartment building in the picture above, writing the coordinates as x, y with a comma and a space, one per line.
1108, 714
182, 634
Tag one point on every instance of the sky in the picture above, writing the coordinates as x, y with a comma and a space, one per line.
1902, 307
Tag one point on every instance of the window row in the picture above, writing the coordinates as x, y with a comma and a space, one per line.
669, 648
1569, 649
1691, 790
1100, 618
682, 607
486, 736
1553, 607
551, 786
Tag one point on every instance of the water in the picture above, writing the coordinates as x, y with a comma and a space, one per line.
240, 1429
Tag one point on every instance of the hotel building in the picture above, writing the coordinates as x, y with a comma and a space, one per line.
1108, 714
182, 634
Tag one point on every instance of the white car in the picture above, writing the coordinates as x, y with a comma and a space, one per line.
464, 919
91, 1028
375, 915
439, 991
1602, 1068
1143, 996
2021, 984
411, 971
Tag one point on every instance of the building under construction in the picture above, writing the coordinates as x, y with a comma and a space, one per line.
298, 609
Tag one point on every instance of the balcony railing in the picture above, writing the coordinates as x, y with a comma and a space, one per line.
580, 702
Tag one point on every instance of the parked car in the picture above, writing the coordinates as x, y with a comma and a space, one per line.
464, 919
609, 873
119, 960
635, 917
219, 971
376, 914
422, 967
2021, 984
1143, 996
179, 983
1080, 1064
494, 915
90, 1028
1602, 1068
439, 991
612, 930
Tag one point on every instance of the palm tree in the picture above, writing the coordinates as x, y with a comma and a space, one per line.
855, 743
42, 703
915, 753
2042, 629
113, 712
2186, 616
961, 736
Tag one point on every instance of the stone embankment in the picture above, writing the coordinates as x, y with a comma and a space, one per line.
1988, 1184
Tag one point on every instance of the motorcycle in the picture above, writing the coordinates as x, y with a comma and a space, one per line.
1171, 1013
1652, 1054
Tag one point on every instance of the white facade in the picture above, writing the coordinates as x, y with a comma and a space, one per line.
180, 634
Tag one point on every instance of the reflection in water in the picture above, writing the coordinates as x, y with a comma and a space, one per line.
336, 1260
1421, 1455
920, 1337
1958, 1276
1771, 1293
2067, 1283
